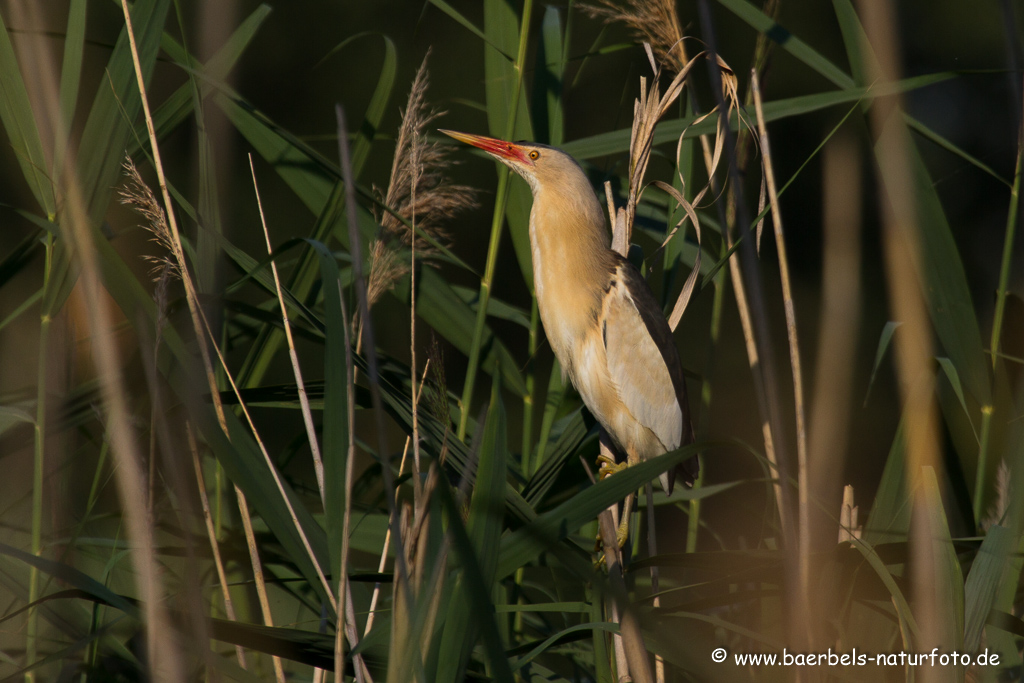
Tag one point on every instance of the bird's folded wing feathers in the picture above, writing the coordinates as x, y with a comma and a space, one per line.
636, 363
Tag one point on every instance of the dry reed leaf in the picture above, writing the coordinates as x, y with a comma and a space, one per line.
647, 111
656, 23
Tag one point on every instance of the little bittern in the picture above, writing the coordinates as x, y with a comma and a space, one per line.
599, 314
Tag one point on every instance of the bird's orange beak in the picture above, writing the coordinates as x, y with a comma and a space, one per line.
500, 149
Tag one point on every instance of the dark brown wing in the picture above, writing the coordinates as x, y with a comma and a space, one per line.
657, 326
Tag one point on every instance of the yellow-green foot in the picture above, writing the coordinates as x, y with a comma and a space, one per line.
621, 534
609, 466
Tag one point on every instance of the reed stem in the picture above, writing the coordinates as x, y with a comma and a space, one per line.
38, 465
1004, 268
794, 351
496, 224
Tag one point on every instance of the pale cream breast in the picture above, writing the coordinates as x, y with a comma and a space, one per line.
573, 270
571, 267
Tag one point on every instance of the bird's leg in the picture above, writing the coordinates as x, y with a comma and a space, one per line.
622, 533
627, 509
608, 468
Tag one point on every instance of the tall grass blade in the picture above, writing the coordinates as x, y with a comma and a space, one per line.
474, 586
309, 175
983, 580
70, 78
507, 118
853, 40
947, 576
116, 107
19, 122
944, 280
335, 430
377, 107
890, 514
551, 527
466, 23
1007, 257
245, 466
174, 110
576, 428
553, 400
483, 531
617, 141
884, 341
954, 381
550, 86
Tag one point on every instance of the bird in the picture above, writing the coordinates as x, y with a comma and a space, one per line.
599, 314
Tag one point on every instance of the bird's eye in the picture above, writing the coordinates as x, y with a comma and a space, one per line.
535, 155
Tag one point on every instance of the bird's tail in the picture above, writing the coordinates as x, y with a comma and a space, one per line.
686, 471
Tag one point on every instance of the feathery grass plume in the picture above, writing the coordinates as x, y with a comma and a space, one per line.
135, 193
419, 187
652, 21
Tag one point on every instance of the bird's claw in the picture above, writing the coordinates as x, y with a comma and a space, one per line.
621, 536
609, 466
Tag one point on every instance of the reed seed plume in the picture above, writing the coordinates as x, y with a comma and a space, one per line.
418, 187
385, 269
135, 193
652, 21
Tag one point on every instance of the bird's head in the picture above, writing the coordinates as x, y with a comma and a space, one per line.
541, 166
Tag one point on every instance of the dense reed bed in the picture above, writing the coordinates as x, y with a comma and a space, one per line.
276, 404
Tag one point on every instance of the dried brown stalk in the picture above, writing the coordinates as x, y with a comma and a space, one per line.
138, 195
307, 416
647, 111
914, 354
168, 232
803, 487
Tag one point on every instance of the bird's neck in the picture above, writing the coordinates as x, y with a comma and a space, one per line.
571, 263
